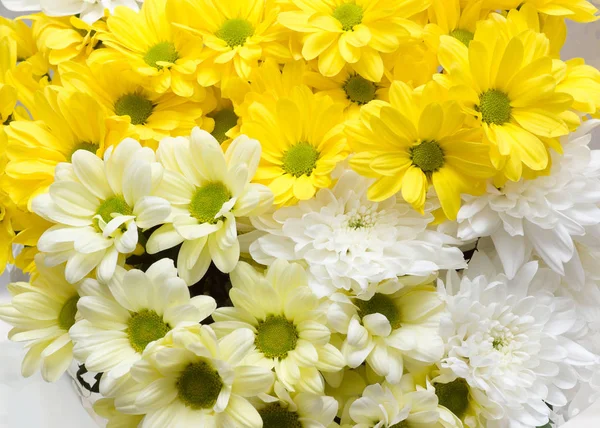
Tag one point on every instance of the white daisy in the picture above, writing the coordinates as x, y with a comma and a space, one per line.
98, 206
289, 326
349, 242
208, 190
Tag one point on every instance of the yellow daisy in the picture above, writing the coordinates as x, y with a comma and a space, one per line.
6, 230
27, 49
447, 17
302, 141
163, 55
237, 34
416, 141
355, 32
576, 10
223, 122
581, 81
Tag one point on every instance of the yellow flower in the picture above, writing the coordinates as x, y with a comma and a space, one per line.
163, 55
6, 230
237, 34
356, 32
447, 17
576, 10
581, 81
27, 49
302, 141
223, 122
413, 63
416, 141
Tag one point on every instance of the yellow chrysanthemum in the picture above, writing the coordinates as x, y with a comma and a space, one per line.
302, 141
237, 34
416, 141
413, 63
164, 56
447, 17
576, 10
223, 122
357, 32
27, 49
581, 81
6, 229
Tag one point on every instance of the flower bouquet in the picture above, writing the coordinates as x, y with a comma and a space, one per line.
304, 213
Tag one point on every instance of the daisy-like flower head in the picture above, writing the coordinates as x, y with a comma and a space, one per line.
208, 189
287, 323
302, 141
42, 312
136, 311
416, 141
198, 381
448, 17
356, 32
576, 10
27, 49
97, 207
350, 243
223, 122
396, 326
236, 35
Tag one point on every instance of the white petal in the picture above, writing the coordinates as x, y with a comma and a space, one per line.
151, 211
89, 169
163, 238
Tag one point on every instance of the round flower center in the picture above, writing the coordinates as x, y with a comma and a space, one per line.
235, 32
360, 90
163, 51
379, 304
463, 36
136, 106
362, 219
199, 386
90, 147
428, 156
276, 336
66, 317
454, 396
275, 416
208, 201
224, 120
144, 327
349, 15
300, 159
494, 106
114, 205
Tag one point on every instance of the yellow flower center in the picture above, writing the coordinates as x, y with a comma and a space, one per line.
116, 205
454, 396
360, 90
224, 120
379, 304
349, 15
300, 159
428, 156
161, 52
235, 32
208, 201
494, 106
136, 106
463, 36
145, 327
66, 317
89, 147
276, 336
275, 416
199, 386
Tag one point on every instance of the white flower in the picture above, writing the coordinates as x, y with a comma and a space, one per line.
135, 311
349, 242
208, 190
289, 326
98, 207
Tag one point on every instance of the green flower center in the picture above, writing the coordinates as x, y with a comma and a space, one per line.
349, 15
224, 120
494, 106
144, 327
454, 396
360, 90
276, 336
401, 424
208, 201
379, 304
114, 205
89, 147
300, 159
199, 386
163, 51
428, 156
463, 36
235, 32
66, 317
136, 106
275, 416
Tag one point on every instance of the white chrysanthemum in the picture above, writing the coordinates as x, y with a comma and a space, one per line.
42, 314
397, 326
136, 310
208, 190
349, 242
198, 381
287, 321
98, 207
512, 339
547, 215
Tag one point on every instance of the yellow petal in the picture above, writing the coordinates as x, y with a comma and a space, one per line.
414, 188
448, 191
304, 188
